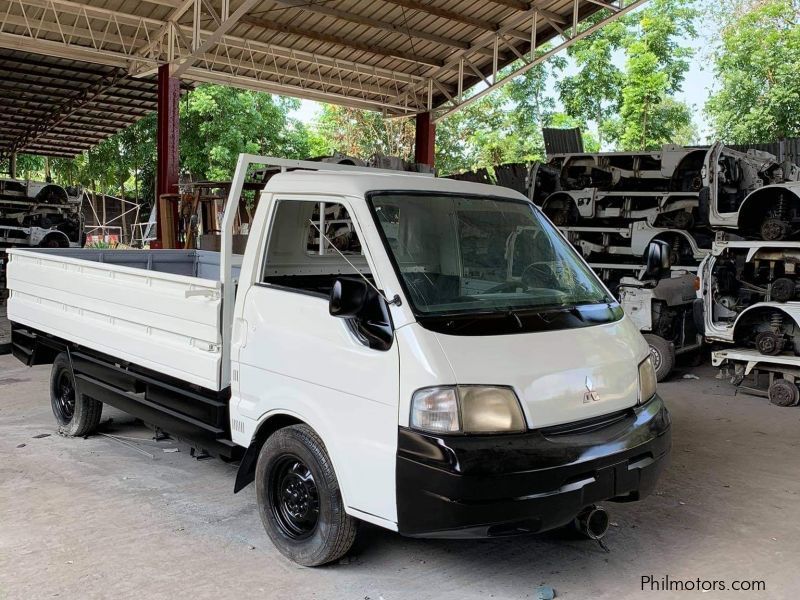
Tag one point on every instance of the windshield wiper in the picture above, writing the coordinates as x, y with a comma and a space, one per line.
516, 318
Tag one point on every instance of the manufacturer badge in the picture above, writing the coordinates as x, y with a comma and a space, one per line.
590, 395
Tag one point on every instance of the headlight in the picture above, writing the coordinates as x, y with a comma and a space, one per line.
467, 409
647, 380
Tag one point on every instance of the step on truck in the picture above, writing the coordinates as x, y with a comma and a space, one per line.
366, 359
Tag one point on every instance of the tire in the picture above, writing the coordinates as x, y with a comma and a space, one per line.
784, 393
299, 499
75, 414
663, 354
769, 343
782, 289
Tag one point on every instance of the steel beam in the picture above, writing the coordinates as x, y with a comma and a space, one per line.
167, 138
497, 75
341, 41
425, 139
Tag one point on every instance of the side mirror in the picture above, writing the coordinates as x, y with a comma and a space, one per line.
658, 260
348, 298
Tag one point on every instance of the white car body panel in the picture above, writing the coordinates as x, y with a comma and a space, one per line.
725, 331
550, 370
162, 321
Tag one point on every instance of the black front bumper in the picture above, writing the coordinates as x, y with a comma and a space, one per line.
481, 486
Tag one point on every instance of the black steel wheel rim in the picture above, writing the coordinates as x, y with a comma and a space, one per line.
294, 497
64, 397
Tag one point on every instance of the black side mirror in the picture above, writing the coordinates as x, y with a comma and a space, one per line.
364, 310
348, 298
658, 260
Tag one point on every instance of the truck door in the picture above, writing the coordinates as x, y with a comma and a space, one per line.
721, 175
295, 358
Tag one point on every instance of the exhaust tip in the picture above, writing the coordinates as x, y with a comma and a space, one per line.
593, 522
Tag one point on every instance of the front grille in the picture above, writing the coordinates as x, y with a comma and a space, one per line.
587, 425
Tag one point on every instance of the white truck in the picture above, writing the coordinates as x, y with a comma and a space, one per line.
663, 309
367, 359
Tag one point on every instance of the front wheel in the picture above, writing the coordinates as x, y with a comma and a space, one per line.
299, 499
662, 353
75, 414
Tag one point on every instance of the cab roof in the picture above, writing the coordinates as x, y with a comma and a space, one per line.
359, 183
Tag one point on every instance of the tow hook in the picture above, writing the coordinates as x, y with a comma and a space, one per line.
593, 522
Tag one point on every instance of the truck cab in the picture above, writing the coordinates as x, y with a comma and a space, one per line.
448, 390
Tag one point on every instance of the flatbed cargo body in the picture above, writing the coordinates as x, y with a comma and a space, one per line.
159, 310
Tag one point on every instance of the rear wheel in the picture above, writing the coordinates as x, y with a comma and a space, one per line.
774, 229
75, 414
559, 217
662, 354
769, 343
299, 499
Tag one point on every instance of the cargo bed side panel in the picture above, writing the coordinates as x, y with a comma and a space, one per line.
165, 322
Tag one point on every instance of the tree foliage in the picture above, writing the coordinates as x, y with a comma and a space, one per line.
634, 107
361, 133
218, 123
594, 91
757, 66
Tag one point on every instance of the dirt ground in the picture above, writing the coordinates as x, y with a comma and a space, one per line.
98, 519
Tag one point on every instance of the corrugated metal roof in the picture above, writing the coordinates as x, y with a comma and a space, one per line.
398, 56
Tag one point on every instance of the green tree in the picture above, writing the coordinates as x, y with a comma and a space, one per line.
475, 136
757, 66
634, 107
502, 126
362, 133
218, 123
28, 166
594, 91
533, 108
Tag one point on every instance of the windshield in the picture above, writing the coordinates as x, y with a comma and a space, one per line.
467, 254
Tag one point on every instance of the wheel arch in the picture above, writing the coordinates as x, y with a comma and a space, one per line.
55, 235
269, 425
755, 206
52, 193
559, 200
642, 239
753, 314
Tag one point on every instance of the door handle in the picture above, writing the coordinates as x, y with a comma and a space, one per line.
239, 333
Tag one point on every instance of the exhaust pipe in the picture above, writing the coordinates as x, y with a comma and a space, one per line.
593, 522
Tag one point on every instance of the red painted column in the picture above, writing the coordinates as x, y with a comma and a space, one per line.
167, 169
425, 139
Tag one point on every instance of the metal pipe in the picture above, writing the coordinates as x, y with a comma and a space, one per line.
593, 522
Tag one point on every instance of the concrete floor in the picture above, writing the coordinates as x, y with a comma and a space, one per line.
96, 519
